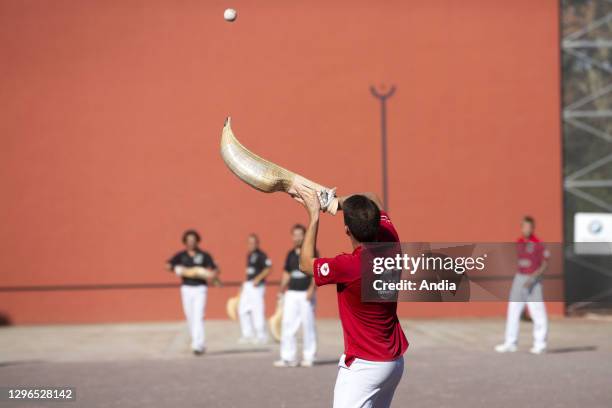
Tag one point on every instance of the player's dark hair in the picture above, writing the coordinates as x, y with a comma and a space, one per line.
191, 232
300, 227
362, 217
529, 219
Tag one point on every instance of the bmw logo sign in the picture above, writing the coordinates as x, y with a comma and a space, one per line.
595, 227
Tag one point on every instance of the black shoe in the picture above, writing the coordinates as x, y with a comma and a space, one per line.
199, 352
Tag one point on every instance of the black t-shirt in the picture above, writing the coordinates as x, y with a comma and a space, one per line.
257, 261
298, 280
200, 258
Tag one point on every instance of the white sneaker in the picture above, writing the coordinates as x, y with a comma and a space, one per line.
260, 342
505, 348
537, 350
307, 363
245, 340
285, 364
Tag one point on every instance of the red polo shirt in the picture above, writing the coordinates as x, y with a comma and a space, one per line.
531, 253
372, 330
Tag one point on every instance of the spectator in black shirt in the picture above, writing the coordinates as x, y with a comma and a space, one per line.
196, 268
251, 308
298, 308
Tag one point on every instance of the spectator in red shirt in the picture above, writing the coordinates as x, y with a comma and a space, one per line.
374, 343
526, 289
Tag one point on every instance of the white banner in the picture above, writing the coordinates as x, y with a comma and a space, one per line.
594, 229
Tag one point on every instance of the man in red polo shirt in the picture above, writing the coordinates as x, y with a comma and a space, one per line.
527, 289
374, 343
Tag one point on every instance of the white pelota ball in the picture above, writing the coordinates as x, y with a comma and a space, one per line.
230, 14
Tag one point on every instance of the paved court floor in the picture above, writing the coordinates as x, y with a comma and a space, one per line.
450, 363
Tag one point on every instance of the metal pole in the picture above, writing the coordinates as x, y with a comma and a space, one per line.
383, 139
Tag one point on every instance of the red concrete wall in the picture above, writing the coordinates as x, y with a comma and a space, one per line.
111, 113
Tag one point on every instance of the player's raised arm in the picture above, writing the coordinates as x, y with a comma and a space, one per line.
308, 197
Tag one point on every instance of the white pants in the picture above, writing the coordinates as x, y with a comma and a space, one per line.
298, 311
252, 311
367, 384
194, 304
519, 297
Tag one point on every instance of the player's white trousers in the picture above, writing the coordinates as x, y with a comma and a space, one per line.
367, 384
252, 311
519, 297
298, 311
194, 305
